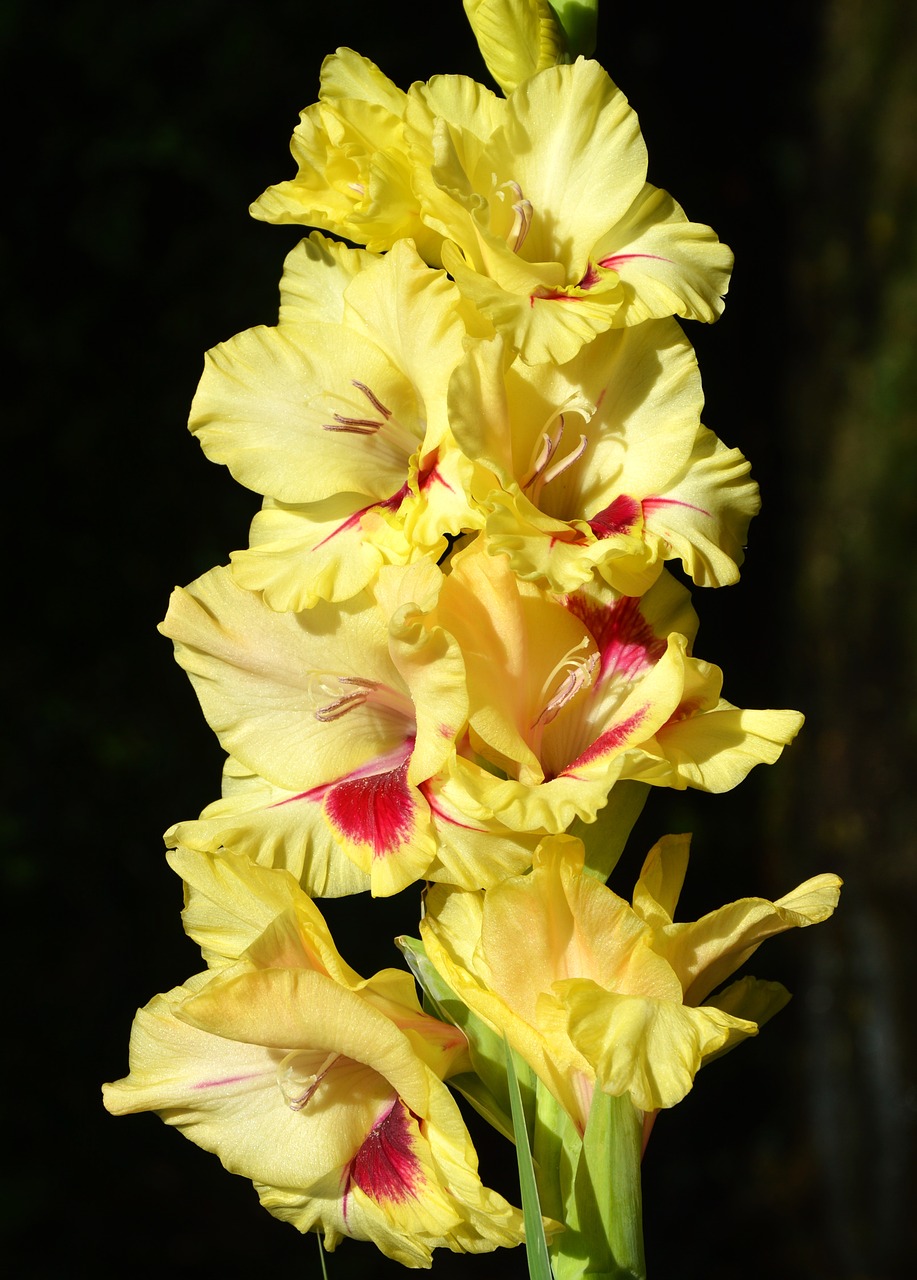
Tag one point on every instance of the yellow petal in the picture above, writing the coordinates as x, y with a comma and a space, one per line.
707, 952
315, 275
451, 930
230, 902
665, 264
275, 828
651, 1049
326, 550
266, 681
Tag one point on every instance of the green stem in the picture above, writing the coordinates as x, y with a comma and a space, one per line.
604, 1238
611, 1166
626, 1228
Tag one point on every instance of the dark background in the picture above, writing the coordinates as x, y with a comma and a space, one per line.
135, 141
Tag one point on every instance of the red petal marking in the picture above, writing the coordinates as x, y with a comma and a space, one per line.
650, 505
215, 1084
552, 293
611, 263
590, 277
377, 810
569, 538
387, 504
618, 517
385, 1167
627, 643
608, 742
429, 472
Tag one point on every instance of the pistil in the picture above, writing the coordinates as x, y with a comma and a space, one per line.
577, 675
541, 470
291, 1082
523, 220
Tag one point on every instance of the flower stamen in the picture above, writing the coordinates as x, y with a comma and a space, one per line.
346, 693
360, 426
372, 398
543, 457
356, 426
542, 469
400, 438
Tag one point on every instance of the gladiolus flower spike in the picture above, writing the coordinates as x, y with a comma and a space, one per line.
453, 655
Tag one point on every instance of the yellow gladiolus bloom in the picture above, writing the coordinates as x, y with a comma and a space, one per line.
324, 1088
354, 166
547, 219
567, 694
593, 991
340, 721
537, 204
338, 416
602, 463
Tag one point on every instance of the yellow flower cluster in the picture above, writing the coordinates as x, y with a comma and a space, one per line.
452, 651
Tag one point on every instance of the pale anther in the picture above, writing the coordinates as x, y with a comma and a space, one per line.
291, 1082
343, 694
578, 675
